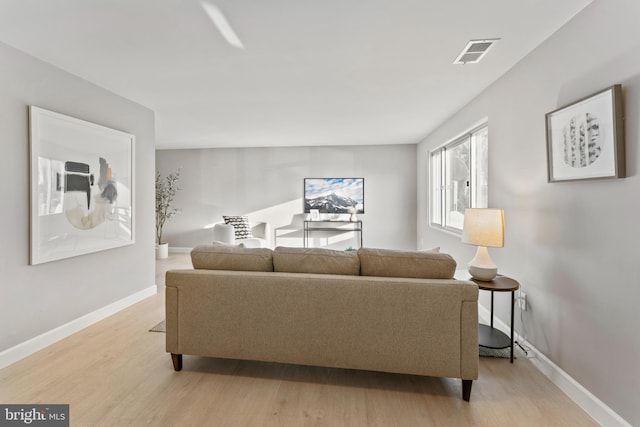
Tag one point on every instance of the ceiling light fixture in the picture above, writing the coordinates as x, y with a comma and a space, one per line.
474, 51
221, 23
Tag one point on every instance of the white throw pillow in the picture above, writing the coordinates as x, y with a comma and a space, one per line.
240, 225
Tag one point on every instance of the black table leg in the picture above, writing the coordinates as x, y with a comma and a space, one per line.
513, 303
492, 309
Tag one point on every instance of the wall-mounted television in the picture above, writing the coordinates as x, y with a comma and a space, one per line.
334, 195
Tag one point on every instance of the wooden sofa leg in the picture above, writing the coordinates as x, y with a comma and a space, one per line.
177, 361
466, 389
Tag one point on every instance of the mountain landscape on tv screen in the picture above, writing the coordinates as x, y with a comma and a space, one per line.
332, 203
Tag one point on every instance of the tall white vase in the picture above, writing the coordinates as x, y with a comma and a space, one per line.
162, 251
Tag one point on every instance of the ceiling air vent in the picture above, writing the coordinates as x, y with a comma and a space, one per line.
474, 51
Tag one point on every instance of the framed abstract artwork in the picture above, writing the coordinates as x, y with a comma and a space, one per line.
585, 140
81, 182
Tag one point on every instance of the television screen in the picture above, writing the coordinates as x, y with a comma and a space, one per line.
334, 195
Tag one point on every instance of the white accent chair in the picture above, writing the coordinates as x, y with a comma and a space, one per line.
261, 232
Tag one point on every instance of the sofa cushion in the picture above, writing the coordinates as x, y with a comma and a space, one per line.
226, 257
227, 245
240, 224
315, 260
410, 264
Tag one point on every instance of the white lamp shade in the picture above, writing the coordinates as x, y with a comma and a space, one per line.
483, 227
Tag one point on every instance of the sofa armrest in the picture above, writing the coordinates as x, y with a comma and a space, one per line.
262, 230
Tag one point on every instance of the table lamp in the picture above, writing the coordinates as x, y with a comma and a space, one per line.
483, 227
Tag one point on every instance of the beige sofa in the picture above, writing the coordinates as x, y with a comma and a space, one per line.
378, 310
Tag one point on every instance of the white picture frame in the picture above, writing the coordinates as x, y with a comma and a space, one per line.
81, 187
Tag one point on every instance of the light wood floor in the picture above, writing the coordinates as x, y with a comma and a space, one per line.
116, 373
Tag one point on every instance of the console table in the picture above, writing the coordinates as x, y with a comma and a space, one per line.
332, 226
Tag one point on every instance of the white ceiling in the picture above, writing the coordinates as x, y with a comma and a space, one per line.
324, 72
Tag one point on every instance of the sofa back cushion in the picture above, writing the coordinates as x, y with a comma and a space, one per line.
315, 260
226, 257
410, 264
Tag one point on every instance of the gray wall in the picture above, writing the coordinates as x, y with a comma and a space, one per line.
573, 245
266, 184
37, 299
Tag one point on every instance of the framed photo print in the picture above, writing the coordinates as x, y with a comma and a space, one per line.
585, 140
81, 187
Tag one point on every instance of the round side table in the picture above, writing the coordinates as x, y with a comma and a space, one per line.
488, 336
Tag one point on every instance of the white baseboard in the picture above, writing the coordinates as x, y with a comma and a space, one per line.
27, 348
593, 406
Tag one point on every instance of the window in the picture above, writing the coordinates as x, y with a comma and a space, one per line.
459, 178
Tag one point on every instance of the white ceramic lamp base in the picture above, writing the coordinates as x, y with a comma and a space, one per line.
482, 267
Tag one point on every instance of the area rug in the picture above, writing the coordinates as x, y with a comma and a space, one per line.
160, 327
491, 352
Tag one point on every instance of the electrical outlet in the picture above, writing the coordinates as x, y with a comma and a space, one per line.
522, 301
